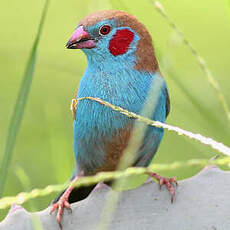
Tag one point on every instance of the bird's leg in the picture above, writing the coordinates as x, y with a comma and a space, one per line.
63, 203
167, 181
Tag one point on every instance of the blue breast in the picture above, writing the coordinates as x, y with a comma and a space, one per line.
95, 123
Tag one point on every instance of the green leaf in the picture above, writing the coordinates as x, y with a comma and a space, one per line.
20, 104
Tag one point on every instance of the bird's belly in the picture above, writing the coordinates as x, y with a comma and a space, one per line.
100, 135
100, 147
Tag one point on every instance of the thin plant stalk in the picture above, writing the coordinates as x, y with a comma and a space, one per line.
23, 197
200, 60
131, 152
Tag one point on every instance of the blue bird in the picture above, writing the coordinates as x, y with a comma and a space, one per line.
121, 68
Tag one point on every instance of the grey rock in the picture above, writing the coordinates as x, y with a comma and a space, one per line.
201, 203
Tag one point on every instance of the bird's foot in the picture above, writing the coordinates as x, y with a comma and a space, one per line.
167, 181
60, 206
63, 203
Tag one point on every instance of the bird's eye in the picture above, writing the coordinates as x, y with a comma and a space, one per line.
104, 30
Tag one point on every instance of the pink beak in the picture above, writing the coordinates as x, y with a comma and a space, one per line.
80, 39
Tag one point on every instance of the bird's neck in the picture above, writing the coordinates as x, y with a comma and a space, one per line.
108, 63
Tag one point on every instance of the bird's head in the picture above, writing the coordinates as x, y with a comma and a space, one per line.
115, 36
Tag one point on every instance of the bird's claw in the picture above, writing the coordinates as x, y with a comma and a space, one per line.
61, 204
168, 182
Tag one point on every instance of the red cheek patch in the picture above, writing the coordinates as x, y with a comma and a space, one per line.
120, 42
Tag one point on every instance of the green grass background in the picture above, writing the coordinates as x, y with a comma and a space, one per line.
44, 144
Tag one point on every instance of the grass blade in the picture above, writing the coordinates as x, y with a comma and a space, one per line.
200, 60
130, 154
220, 147
202, 110
23, 197
20, 105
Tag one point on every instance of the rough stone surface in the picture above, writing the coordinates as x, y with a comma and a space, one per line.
202, 203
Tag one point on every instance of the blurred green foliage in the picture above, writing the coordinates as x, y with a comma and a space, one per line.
19, 107
44, 144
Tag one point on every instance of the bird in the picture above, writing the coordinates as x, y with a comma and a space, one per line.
121, 68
